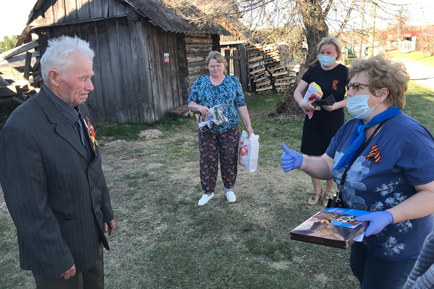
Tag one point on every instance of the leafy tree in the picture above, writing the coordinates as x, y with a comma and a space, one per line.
8, 43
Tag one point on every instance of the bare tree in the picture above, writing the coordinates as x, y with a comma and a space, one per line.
401, 23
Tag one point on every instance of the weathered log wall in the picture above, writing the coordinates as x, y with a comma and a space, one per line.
193, 50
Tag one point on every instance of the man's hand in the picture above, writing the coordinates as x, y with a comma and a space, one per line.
68, 274
377, 221
290, 159
109, 227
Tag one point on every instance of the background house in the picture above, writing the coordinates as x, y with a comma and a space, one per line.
146, 56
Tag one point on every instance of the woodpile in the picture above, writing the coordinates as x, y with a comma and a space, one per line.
19, 77
268, 71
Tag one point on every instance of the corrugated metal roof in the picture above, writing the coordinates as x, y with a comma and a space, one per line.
166, 18
162, 16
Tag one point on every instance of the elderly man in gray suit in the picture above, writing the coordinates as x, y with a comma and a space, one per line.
51, 175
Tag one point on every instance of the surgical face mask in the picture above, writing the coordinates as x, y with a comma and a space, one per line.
326, 60
358, 106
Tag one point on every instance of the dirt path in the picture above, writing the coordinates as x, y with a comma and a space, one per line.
423, 74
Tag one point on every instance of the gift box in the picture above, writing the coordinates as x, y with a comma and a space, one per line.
313, 92
333, 227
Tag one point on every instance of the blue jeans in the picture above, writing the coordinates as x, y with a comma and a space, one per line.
376, 273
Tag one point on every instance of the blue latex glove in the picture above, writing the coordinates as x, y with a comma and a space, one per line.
377, 221
290, 159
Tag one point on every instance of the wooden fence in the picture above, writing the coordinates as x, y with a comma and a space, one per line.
19, 72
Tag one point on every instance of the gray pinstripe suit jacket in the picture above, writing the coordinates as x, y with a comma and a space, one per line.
57, 197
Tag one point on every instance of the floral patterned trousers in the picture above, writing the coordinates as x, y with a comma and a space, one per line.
215, 146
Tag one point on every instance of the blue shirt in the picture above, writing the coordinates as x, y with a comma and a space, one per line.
229, 93
407, 159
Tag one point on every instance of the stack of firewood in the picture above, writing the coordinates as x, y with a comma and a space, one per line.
267, 69
258, 73
19, 77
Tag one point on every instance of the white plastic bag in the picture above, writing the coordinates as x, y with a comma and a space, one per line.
249, 151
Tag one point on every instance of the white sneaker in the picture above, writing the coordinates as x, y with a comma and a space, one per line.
230, 196
205, 198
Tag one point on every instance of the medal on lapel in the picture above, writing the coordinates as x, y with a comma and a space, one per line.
91, 133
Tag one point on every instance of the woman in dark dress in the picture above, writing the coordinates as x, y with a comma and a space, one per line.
320, 129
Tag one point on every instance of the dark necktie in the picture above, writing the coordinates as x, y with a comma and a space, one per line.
84, 135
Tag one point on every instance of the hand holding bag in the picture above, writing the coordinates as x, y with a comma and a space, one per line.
249, 151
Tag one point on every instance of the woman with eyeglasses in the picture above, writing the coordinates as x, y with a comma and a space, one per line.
393, 176
219, 141
318, 131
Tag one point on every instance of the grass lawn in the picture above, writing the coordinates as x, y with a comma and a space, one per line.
164, 240
423, 58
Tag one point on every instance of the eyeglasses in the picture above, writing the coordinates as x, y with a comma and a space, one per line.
355, 86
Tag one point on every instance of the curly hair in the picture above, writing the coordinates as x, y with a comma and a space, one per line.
331, 40
384, 72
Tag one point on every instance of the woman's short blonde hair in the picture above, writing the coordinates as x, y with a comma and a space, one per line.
384, 72
331, 40
217, 56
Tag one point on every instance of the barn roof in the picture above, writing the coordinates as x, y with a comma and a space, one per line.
154, 11
245, 32
167, 18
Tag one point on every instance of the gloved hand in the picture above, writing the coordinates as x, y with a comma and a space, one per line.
290, 159
377, 221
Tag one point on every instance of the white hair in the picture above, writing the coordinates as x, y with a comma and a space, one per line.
57, 54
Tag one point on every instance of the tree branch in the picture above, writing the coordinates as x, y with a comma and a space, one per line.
327, 10
347, 17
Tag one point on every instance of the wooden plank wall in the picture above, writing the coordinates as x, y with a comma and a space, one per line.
164, 81
236, 56
244, 67
73, 11
235, 35
132, 82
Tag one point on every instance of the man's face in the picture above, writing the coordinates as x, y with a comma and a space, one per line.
75, 83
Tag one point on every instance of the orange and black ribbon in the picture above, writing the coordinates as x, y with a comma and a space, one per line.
335, 84
92, 134
375, 153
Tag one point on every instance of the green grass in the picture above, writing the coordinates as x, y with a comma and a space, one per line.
164, 240
130, 131
423, 58
265, 244
420, 101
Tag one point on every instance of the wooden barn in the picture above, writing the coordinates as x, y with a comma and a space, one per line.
146, 55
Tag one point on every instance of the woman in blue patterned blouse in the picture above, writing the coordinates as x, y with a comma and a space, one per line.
221, 141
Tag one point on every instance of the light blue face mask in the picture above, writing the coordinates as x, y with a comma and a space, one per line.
326, 60
358, 106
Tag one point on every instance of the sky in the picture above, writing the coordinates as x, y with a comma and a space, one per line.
14, 14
